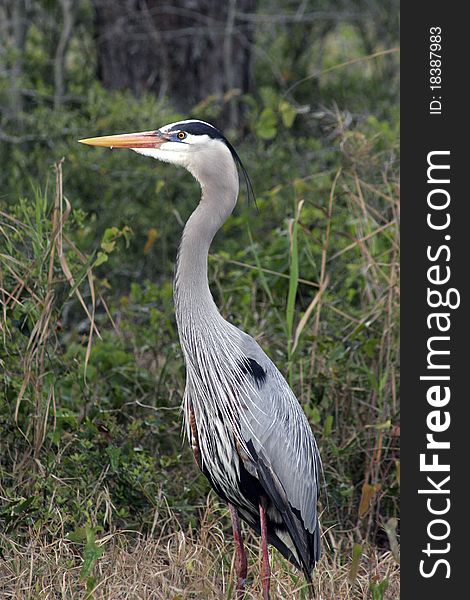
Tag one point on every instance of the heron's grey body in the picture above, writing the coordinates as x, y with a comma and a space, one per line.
249, 434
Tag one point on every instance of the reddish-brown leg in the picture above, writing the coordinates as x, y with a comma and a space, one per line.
265, 571
241, 565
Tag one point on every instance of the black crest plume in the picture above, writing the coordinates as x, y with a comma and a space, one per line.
202, 128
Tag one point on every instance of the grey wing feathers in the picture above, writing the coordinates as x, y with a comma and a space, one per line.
279, 432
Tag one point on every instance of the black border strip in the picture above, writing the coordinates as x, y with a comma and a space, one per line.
425, 131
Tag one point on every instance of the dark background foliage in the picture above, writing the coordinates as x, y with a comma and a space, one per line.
308, 93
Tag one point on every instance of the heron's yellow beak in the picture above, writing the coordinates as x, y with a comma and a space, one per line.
144, 139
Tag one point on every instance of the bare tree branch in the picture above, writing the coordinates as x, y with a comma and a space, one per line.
68, 15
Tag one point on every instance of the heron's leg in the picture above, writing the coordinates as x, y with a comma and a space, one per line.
241, 567
265, 571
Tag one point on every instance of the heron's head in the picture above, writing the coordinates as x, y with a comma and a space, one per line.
196, 145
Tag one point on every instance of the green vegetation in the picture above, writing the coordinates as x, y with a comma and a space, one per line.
92, 376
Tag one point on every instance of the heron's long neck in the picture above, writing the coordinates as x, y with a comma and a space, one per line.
194, 304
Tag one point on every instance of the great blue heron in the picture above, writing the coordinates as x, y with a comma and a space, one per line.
247, 430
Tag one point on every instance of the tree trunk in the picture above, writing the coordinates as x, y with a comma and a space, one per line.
14, 28
68, 15
188, 50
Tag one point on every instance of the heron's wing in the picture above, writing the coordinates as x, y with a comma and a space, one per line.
275, 427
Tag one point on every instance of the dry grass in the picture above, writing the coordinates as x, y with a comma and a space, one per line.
176, 565
34, 292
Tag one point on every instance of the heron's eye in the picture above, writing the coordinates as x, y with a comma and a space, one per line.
181, 135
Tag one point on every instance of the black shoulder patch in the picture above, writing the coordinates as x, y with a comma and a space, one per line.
251, 367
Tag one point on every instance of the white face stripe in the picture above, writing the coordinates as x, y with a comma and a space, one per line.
189, 140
